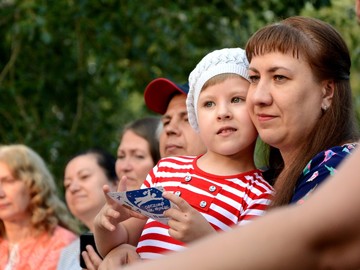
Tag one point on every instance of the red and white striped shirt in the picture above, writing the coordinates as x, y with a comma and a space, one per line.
224, 201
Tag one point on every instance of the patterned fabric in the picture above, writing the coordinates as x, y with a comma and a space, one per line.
224, 201
70, 257
324, 164
35, 253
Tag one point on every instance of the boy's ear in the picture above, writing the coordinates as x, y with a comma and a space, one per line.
328, 93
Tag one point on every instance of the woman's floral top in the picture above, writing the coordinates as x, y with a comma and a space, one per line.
324, 164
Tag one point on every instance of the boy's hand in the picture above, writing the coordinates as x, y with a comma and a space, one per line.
112, 213
186, 223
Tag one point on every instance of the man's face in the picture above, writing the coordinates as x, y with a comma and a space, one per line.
177, 137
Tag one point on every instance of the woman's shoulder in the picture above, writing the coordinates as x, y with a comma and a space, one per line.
318, 169
63, 236
332, 155
69, 258
342, 150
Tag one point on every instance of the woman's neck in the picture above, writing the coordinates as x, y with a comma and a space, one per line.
289, 156
88, 218
17, 232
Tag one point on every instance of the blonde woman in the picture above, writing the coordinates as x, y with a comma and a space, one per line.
34, 223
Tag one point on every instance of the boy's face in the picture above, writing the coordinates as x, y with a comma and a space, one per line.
224, 123
178, 137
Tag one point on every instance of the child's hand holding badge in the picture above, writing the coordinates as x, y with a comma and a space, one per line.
148, 202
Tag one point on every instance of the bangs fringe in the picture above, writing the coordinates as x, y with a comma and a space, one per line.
277, 38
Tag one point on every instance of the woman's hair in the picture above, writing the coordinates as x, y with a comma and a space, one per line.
148, 128
328, 57
104, 159
46, 208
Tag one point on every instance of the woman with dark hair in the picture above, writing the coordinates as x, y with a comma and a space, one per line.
138, 151
85, 174
34, 222
300, 101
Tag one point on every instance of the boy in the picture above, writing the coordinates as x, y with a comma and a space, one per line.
212, 192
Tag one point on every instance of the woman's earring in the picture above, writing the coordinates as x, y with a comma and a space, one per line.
324, 108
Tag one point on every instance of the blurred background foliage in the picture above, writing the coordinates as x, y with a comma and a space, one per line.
74, 71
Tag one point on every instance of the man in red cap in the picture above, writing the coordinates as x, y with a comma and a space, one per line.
169, 99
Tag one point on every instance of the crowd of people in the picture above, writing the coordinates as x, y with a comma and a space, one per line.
288, 88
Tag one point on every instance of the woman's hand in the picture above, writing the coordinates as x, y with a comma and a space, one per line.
91, 258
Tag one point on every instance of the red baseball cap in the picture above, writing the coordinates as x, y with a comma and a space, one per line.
160, 91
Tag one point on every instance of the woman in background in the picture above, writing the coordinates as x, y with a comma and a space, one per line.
34, 222
138, 151
87, 172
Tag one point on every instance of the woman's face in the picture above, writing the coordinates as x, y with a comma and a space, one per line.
284, 100
14, 197
83, 183
133, 159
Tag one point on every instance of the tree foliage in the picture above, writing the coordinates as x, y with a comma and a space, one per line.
73, 72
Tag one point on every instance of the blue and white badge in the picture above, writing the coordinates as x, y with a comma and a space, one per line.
148, 202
